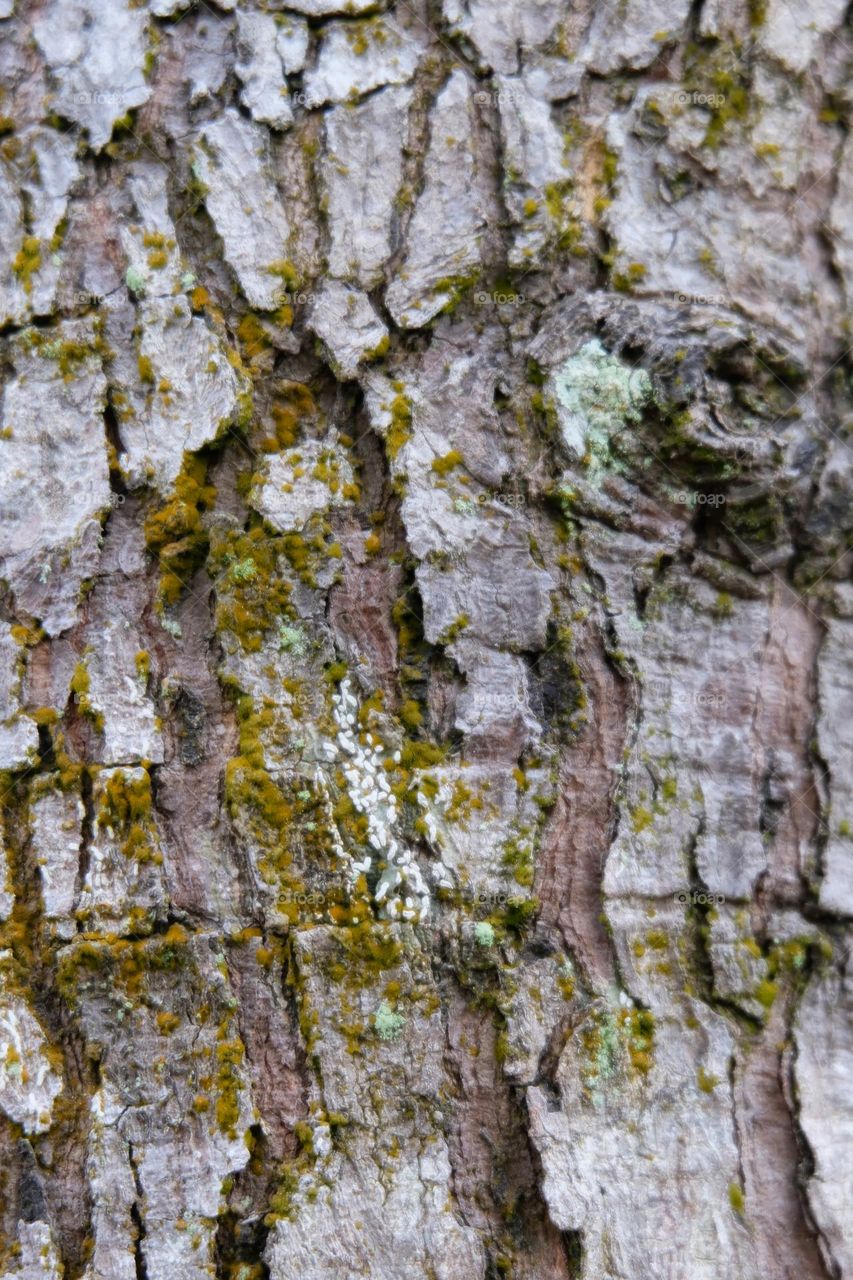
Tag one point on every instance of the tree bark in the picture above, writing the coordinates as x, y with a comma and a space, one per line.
426, 613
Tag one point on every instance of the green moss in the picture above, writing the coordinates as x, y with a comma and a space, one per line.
568, 227
252, 336
448, 462
411, 713
335, 672
380, 350
518, 857
422, 755
733, 109
641, 818
286, 818
365, 952
706, 1081
80, 689
455, 287
124, 963
736, 1197
639, 1026
68, 354
126, 810
625, 280
455, 629
400, 428
723, 606
27, 262
229, 1056
617, 1041
766, 992
175, 533
286, 271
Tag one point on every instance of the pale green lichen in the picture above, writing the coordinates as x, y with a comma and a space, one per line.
484, 933
388, 1024
134, 280
597, 394
244, 570
293, 639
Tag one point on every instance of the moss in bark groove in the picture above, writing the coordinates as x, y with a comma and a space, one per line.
175, 532
79, 686
126, 810
253, 597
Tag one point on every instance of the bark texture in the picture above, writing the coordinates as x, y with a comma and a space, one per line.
427, 711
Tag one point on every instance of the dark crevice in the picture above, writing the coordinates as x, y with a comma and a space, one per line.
138, 1224
87, 831
113, 434
573, 1250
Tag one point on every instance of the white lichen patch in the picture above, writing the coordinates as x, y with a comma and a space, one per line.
401, 893
537, 170
173, 386
29, 1084
793, 35
499, 33
322, 8
644, 27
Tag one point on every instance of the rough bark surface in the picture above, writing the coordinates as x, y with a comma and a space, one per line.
427, 712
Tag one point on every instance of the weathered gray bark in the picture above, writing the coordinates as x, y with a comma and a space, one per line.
427, 711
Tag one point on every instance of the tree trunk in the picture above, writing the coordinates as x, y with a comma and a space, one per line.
428, 715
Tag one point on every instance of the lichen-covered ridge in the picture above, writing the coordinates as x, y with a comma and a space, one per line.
425, 618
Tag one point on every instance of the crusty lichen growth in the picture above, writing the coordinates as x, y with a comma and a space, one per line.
597, 396
618, 1043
